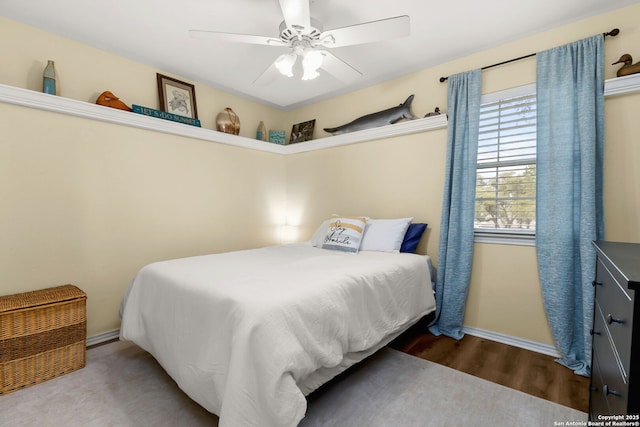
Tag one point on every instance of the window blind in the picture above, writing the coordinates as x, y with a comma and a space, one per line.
505, 186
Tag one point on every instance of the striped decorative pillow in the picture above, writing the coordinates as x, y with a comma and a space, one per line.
344, 233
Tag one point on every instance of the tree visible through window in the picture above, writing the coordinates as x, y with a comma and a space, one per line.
506, 180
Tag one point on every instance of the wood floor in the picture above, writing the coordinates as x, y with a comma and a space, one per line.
530, 372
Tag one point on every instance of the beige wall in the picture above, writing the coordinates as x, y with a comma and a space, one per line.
390, 178
622, 167
89, 203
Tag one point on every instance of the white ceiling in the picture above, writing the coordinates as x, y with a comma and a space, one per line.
155, 32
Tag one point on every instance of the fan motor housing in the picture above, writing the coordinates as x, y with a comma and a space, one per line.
291, 34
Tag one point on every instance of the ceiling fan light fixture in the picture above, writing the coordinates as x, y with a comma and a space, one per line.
310, 74
311, 62
285, 64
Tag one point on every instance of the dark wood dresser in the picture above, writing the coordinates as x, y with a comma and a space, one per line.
615, 365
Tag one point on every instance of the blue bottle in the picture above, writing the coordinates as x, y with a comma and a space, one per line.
49, 78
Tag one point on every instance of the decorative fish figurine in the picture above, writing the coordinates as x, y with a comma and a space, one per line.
108, 99
629, 67
381, 118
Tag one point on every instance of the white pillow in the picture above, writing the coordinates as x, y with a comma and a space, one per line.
318, 237
384, 235
345, 234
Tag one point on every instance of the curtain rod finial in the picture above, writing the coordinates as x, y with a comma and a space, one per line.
613, 32
443, 79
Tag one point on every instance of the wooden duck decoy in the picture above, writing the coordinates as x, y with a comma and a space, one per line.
108, 99
629, 67
435, 112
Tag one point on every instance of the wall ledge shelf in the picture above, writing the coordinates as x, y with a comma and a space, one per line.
622, 85
57, 104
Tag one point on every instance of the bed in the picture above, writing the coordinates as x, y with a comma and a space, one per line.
248, 334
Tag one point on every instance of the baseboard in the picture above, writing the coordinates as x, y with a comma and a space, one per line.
513, 341
103, 337
493, 336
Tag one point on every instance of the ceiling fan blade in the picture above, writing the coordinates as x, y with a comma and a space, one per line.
296, 13
235, 38
338, 68
268, 76
368, 32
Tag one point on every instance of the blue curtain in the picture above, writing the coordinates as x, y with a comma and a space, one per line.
456, 225
570, 98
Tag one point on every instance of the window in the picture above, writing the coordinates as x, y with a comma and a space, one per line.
506, 174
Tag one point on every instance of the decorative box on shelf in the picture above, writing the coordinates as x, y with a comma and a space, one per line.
42, 335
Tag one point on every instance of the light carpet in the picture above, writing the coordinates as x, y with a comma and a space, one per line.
123, 385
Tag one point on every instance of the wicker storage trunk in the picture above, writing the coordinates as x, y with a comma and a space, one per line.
42, 335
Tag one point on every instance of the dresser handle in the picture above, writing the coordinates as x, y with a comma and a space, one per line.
594, 283
592, 332
608, 391
611, 319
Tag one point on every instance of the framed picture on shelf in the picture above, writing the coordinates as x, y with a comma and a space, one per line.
177, 97
277, 137
302, 131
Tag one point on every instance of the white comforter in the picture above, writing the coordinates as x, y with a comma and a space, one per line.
248, 334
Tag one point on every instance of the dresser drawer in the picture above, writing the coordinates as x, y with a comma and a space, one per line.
616, 306
613, 385
597, 400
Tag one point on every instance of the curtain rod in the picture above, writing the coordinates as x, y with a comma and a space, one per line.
611, 33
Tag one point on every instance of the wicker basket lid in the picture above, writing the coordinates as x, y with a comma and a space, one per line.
40, 297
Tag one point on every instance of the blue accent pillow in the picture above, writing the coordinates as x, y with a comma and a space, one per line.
412, 237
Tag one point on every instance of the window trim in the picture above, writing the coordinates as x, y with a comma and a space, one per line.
524, 90
506, 237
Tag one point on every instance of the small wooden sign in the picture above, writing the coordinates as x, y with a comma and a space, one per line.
166, 116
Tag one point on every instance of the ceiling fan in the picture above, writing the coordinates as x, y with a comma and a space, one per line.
307, 41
